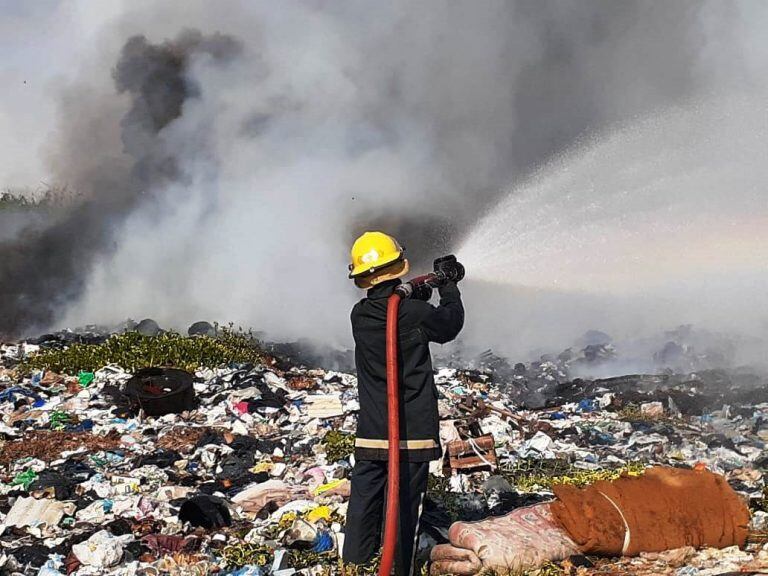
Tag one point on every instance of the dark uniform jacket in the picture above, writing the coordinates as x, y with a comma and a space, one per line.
419, 324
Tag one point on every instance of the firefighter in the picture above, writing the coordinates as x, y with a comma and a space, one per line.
378, 262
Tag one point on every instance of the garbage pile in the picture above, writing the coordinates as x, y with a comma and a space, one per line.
241, 465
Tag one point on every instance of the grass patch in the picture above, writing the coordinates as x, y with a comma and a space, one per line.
243, 554
133, 351
437, 483
760, 504
238, 555
632, 413
536, 475
548, 569
338, 445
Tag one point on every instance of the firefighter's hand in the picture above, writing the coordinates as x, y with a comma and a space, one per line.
422, 292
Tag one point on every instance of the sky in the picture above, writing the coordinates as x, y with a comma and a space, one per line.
43, 43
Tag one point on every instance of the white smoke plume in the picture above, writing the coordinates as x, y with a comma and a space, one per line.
337, 117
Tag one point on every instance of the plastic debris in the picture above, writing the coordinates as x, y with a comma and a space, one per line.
325, 406
25, 479
101, 550
32, 512
85, 379
253, 477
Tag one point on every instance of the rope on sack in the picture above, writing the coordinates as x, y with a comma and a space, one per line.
627, 533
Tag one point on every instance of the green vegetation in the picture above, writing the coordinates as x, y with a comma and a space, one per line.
761, 503
632, 413
338, 445
437, 483
535, 475
132, 351
238, 555
548, 569
243, 554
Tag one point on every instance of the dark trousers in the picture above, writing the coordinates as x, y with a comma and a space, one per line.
365, 514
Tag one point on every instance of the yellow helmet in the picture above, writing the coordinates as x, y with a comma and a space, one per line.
372, 252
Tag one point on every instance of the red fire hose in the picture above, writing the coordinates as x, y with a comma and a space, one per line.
393, 437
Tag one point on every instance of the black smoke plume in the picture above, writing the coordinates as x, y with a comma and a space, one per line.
45, 267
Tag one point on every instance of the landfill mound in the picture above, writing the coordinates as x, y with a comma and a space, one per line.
121, 454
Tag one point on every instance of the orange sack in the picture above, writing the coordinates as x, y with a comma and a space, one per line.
665, 508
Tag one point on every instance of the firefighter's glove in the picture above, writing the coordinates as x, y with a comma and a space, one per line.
422, 292
450, 267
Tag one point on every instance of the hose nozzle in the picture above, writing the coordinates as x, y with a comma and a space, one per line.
448, 266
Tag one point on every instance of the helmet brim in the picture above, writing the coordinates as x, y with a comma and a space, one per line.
391, 272
367, 269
